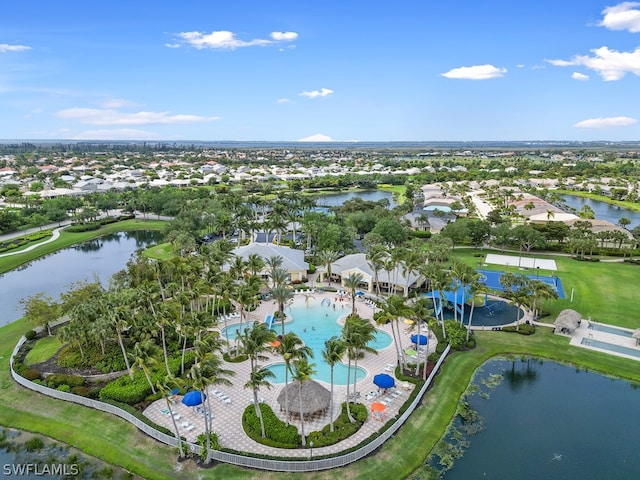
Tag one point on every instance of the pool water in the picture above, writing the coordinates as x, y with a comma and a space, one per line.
315, 324
610, 329
495, 313
590, 342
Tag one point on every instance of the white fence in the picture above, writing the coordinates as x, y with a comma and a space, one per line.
292, 465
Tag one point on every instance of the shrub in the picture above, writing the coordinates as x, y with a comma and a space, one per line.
525, 329
125, 390
82, 391
278, 433
34, 444
421, 234
64, 388
83, 227
343, 428
30, 335
30, 374
58, 379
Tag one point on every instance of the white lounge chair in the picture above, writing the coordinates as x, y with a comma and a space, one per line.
190, 427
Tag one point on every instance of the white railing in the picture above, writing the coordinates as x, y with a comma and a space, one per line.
284, 465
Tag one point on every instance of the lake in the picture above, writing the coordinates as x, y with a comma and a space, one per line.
551, 421
54, 273
603, 210
337, 199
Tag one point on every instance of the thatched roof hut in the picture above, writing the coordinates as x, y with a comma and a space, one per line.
567, 321
315, 398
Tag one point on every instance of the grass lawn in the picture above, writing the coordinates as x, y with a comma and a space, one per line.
67, 239
118, 443
162, 251
606, 291
43, 350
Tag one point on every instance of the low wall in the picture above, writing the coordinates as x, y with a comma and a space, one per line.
302, 465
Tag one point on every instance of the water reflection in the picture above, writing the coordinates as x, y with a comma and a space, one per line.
521, 373
52, 274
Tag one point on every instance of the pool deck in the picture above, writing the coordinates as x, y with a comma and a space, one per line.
227, 413
584, 332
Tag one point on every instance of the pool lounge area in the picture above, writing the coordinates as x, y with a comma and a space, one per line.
606, 338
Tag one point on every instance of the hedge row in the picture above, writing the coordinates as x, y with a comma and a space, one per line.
22, 241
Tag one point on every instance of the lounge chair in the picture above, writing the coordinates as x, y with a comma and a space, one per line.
190, 427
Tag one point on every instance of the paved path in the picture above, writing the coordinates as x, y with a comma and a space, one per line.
55, 236
227, 415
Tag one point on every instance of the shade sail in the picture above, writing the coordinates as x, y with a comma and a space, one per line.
383, 380
419, 339
192, 398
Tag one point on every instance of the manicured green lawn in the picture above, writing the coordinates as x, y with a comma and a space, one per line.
162, 251
43, 350
67, 239
606, 291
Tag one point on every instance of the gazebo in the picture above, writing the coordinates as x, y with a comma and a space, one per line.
568, 320
315, 398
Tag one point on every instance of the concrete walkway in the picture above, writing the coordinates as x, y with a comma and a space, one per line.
229, 403
55, 235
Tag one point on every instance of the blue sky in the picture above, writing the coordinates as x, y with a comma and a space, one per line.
409, 70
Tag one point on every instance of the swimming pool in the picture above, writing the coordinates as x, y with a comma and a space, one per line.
590, 342
315, 324
610, 329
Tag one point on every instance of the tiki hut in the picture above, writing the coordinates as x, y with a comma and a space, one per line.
636, 335
568, 320
315, 398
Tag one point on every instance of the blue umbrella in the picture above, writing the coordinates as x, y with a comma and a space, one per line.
419, 339
175, 391
360, 294
192, 398
383, 380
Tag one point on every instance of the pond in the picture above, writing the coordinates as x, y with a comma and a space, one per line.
603, 210
53, 274
337, 199
546, 420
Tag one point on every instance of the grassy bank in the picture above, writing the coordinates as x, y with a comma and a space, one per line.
118, 443
67, 239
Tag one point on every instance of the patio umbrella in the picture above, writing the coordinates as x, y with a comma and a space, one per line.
192, 398
275, 343
410, 351
408, 321
360, 294
383, 380
419, 339
378, 407
175, 391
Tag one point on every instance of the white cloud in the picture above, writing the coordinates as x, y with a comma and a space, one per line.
476, 72
284, 36
115, 134
579, 76
323, 92
624, 16
283, 100
172, 45
607, 122
5, 47
117, 103
225, 40
609, 64
95, 116
318, 137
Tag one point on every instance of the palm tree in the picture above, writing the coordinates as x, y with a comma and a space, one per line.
377, 256
273, 264
352, 283
292, 348
475, 287
334, 350
326, 258
165, 386
302, 372
392, 310
541, 290
421, 312
282, 295
207, 370
255, 263
259, 378
357, 333
143, 357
